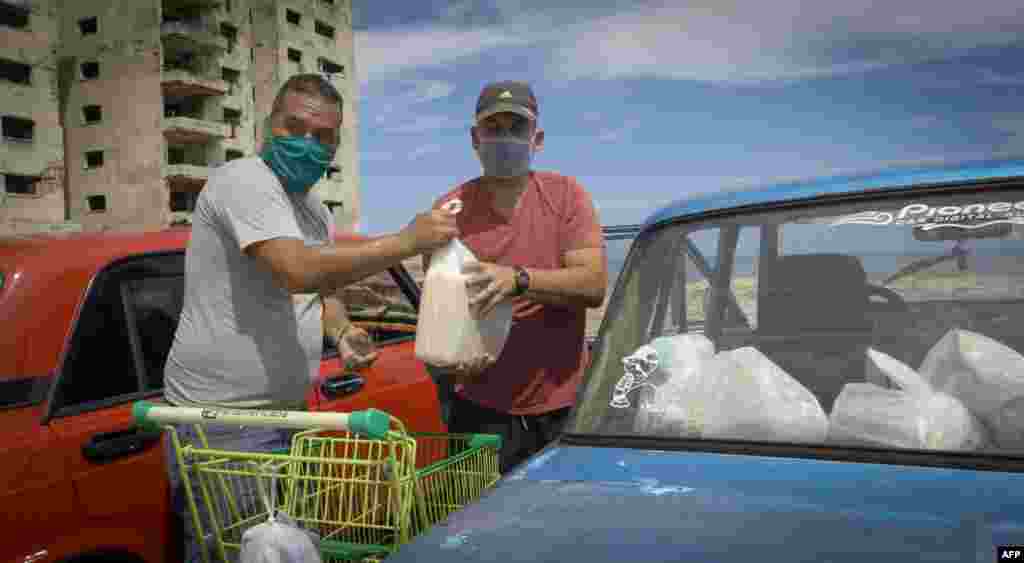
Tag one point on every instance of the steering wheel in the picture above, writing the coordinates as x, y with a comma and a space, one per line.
893, 301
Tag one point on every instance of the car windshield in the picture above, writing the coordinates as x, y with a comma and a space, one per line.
889, 323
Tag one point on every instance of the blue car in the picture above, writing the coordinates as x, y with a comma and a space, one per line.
823, 371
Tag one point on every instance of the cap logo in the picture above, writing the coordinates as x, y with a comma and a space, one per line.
505, 94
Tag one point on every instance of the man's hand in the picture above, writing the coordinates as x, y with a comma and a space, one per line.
355, 346
429, 231
488, 285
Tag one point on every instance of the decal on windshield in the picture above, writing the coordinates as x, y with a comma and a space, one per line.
927, 217
638, 366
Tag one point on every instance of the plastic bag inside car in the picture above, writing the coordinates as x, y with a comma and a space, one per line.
751, 398
987, 376
910, 414
678, 403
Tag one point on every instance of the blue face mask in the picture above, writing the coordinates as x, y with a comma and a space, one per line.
505, 157
298, 161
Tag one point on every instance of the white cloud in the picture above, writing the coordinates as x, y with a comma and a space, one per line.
424, 150
747, 41
376, 156
421, 124
387, 54
618, 134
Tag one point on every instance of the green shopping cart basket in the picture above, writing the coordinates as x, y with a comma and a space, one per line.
359, 482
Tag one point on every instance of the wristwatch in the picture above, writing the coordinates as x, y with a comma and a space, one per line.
522, 280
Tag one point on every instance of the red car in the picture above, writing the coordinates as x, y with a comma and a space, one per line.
88, 321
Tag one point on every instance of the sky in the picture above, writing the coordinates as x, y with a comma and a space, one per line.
645, 102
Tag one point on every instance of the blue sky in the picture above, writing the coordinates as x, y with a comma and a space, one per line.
646, 102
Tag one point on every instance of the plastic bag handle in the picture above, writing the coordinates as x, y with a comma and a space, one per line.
453, 206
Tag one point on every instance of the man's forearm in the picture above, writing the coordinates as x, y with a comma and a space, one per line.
567, 287
347, 262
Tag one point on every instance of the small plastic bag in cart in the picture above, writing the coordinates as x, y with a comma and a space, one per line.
987, 376
279, 539
909, 414
751, 398
671, 366
447, 332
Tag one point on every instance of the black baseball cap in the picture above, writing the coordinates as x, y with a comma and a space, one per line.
507, 96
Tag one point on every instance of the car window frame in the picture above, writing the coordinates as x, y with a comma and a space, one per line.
973, 460
56, 410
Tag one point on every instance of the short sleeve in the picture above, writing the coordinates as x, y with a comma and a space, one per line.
253, 207
581, 228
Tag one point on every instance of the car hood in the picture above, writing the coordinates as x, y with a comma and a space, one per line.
599, 505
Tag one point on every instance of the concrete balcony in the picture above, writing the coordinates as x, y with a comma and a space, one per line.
186, 177
191, 130
182, 82
194, 35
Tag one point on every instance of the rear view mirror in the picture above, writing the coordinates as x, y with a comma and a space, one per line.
933, 234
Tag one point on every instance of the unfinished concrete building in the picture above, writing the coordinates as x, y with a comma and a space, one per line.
152, 94
31, 139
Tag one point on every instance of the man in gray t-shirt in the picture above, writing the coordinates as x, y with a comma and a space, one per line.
241, 342
260, 236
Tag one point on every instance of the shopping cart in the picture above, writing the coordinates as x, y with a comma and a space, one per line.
351, 480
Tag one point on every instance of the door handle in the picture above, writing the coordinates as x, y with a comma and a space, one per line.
108, 446
337, 386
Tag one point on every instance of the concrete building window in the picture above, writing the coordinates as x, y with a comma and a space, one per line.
293, 17
230, 33
227, 6
232, 116
232, 154
22, 185
328, 2
18, 129
93, 159
332, 170
90, 70
96, 203
295, 55
182, 200
92, 114
13, 71
175, 155
14, 15
324, 29
89, 26
328, 66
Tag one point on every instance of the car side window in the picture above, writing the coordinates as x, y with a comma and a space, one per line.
123, 333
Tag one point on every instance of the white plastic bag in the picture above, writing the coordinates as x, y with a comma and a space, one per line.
679, 398
447, 332
279, 539
751, 398
987, 376
909, 415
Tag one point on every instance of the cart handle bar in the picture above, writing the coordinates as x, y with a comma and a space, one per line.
370, 422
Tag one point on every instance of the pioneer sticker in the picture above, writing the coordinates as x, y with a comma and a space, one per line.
927, 217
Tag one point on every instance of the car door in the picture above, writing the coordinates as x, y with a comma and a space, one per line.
386, 306
119, 483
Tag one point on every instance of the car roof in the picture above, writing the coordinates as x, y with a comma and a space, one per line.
886, 180
94, 250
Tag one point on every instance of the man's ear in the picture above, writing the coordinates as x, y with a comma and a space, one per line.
538, 140
473, 138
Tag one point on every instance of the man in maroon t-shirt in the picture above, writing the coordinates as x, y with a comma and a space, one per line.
540, 245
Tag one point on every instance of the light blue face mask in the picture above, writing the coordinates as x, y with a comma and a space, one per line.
505, 157
299, 162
